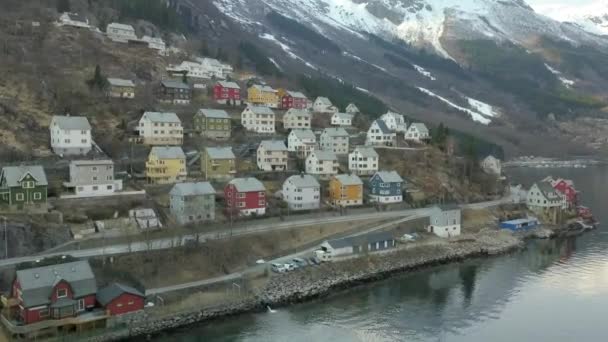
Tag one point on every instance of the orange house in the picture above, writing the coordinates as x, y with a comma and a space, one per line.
346, 190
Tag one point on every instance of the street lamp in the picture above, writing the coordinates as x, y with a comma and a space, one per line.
5, 238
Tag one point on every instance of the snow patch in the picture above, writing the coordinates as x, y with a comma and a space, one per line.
477, 117
482, 107
287, 50
275, 63
567, 82
363, 90
347, 54
424, 72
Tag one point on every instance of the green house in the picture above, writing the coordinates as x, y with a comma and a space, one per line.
23, 187
213, 124
218, 163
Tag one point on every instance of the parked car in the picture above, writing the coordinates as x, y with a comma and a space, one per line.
314, 261
290, 267
279, 268
409, 237
260, 262
299, 262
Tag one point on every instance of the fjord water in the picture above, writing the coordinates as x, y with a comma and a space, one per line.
552, 291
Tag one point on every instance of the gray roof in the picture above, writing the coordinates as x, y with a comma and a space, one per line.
214, 113
345, 116
274, 145
264, 88
389, 176
247, 184
323, 100
382, 125
447, 207
192, 189
349, 179
168, 152
77, 17
162, 117
37, 283
220, 152
227, 84
304, 134
120, 26
352, 106
119, 82
175, 84
370, 238
93, 162
303, 181
547, 189
115, 290
14, 174
421, 127
336, 132
367, 152
71, 122
324, 155
297, 112
261, 110
296, 94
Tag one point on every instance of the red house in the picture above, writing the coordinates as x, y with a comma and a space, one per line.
118, 299
245, 196
225, 92
54, 292
294, 99
566, 187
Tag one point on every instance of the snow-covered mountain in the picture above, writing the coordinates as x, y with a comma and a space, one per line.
591, 17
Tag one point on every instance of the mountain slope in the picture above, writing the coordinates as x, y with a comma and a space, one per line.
591, 17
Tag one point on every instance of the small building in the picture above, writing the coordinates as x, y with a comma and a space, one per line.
520, 224
228, 93
361, 244
24, 188
218, 163
567, 189
155, 43
213, 124
417, 132
379, 134
293, 99
491, 165
363, 160
394, 121
121, 89
272, 156
145, 218
262, 95
352, 109
156, 128
346, 190
445, 221
215, 68
166, 165
302, 192
121, 33
323, 105
342, 119
386, 187
174, 92
302, 142
542, 198
334, 139
322, 164
90, 178
118, 299
297, 119
70, 135
74, 20
202, 69
245, 197
192, 202
258, 119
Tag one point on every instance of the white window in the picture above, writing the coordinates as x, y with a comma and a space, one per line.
62, 293
19, 197
81, 306
37, 196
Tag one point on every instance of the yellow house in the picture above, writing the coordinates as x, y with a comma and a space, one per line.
166, 165
263, 96
346, 190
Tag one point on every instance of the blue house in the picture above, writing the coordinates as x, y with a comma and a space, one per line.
385, 187
520, 224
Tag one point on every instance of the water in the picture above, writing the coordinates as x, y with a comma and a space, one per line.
553, 291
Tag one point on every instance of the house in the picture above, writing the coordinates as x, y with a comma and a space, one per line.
302, 142
245, 197
322, 163
229, 93
155, 43
156, 128
302, 192
192, 202
292, 99
119, 88
543, 198
74, 20
360, 244
334, 139
120, 33
445, 221
23, 187
363, 160
213, 124
386, 187
417, 132
491, 165
323, 105
118, 299
214, 68
566, 188
203, 68
262, 95
70, 135
352, 109
144, 218
342, 119
297, 119
218, 163
166, 165
379, 134
174, 92
346, 190
54, 292
272, 156
258, 119
90, 178
395, 122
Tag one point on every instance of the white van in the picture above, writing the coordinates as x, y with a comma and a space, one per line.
278, 268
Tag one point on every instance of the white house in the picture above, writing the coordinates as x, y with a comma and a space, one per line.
162, 129
90, 178
543, 198
352, 109
258, 119
342, 119
323, 105
395, 122
379, 134
272, 156
363, 161
215, 68
120, 33
297, 119
155, 43
322, 163
302, 192
417, 132
334, 139
445, 221
73, 20
191, 69
302, 142
492, 165
70, 135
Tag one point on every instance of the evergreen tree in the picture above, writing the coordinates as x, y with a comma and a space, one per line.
63, 6
98, 81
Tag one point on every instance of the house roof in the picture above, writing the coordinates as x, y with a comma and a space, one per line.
349, 179
71, 122
37, 283
228, 84
14, 174
323, 101
344, 116
77, 17
121, 26
304, 134
168, 152
247, 184
297, 112
109, 293
192, 189
324, 155
214, 113
352, 107
264, 88
304, 181
119, 82
383, 127
273, 145
389, 176
367, 152
296, 94
370, 238
336, 132
547, 189
162, 117
448, 207
392, 114
92, 162
421, 127
175, 84
220, 152
260, 110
